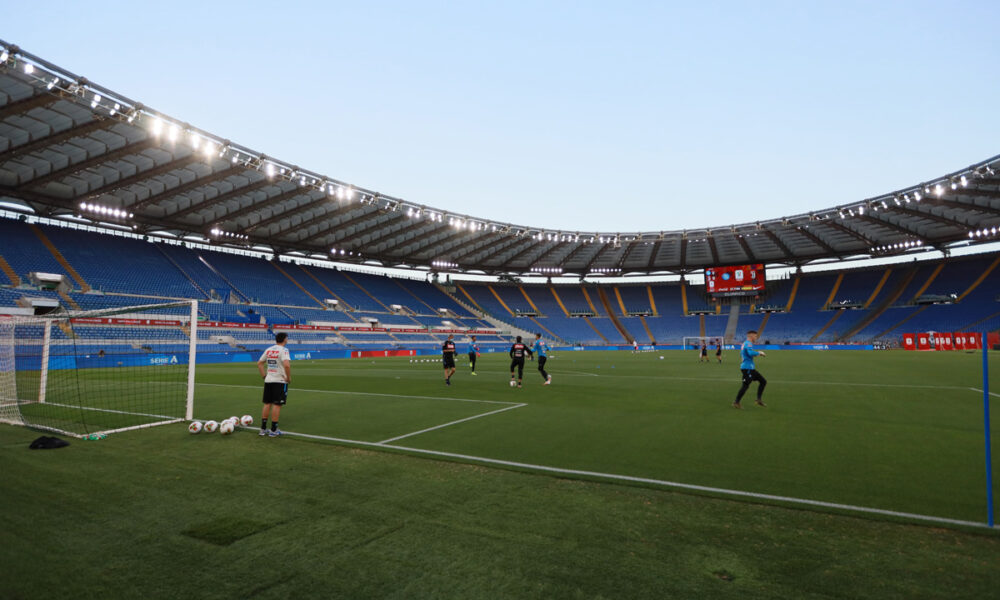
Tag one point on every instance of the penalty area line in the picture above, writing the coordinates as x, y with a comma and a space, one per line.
486, 414
613, 477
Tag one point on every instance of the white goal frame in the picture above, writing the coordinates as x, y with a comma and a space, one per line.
10, 401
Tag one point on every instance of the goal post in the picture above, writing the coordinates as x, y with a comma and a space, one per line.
99, 371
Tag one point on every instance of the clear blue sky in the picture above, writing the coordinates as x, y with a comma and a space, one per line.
605, 116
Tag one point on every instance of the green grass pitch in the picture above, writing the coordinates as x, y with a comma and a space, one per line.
475, 510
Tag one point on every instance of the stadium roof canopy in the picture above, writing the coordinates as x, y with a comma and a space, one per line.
71, 149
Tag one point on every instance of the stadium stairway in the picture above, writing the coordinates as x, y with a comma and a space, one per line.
611, 314
418, 298
177, 266
531, 303
833, 319
590, 302
478, 309
84, 286
596, 330
68, 300
732, 323
794, 292
343, 306
232, 287
500, 300
274, 263
361, 287
883, 305
475, 309
980, 279
763, 324
558, 300
12, 275
645, 325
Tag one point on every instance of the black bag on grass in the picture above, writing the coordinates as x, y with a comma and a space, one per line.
47, 442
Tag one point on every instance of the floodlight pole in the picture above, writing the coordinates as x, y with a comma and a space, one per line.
986, 427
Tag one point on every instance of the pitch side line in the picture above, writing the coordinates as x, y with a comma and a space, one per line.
838, 383
493, 412
657, 482
994, 394
255, 387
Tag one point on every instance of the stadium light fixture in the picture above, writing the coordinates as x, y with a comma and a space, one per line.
938, 190
4, 55
115, 109
29, 68
51, 84
157, 126
963, 181
97, 100
175, 132
916, 196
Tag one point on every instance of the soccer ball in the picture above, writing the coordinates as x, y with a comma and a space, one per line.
661, 358
513, 383
211, 426
226, 428
195, 427
246, 420
234, 419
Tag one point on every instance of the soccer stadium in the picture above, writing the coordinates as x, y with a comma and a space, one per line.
147, 266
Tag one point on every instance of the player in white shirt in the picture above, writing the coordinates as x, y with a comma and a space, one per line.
276, 368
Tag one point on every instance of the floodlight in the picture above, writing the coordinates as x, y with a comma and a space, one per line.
29, 68
4, 55
51, 84
95, 101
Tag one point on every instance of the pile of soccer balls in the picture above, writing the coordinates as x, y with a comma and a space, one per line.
225, 427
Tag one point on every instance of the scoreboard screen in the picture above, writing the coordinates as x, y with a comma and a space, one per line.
737, 280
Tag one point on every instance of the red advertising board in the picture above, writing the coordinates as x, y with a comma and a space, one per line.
909, 341
923, 341
943, 341
959, 340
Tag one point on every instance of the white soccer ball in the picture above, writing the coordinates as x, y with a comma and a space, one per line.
513, 383
234, 419
661, 358
246, 420
211, 426
227, 427
195, 427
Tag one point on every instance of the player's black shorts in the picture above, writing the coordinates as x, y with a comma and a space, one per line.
751, 375
541, 362
275, 393
448, 360
517, 363
472, 357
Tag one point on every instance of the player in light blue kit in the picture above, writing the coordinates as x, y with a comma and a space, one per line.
750, 374
473, 354
541, 349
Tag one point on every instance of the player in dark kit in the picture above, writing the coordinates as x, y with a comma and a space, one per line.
750, 374
448, 358
703, 355
517, 352
718, 351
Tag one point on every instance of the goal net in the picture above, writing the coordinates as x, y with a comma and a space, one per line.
695, 342
99, 371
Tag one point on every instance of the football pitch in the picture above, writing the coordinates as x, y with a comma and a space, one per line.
629, 476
